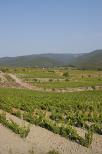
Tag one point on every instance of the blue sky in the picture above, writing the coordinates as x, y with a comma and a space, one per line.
49, 26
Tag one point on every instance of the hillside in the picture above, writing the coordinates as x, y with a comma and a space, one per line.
47, 60
92, 60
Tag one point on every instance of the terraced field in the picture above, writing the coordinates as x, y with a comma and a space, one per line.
76, 116
58, 79
62, 78
56, 112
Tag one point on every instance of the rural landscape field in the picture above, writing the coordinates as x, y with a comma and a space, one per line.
50, 76
52, 110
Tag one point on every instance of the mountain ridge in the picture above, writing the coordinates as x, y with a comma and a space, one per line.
91, 60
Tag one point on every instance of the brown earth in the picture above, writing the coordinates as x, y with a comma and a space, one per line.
41, 141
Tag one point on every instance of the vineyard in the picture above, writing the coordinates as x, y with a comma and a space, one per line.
61, 78
50, 77
63, 101
55, 79
60, 113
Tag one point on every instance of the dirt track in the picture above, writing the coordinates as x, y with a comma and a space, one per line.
23, 84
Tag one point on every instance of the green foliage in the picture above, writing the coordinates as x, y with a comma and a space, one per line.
88, 138
21, 130
53, 152
50, 80
66, 74
97, 128
57, 112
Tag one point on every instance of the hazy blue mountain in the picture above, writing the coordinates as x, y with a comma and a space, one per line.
92, 60
48, 60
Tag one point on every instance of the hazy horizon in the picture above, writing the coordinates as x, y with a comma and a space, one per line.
42, 53
34, 27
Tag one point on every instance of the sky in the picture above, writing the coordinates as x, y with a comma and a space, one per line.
49, 26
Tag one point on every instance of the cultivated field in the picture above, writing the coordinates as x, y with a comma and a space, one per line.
51, 109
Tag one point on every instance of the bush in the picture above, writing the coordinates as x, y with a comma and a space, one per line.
21, 130
50, 80
97, 128
66, 74
35, 80
53, 152
93, 87
69, 132
88, 138
66, 79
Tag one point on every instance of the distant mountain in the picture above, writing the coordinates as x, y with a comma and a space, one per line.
40, 60
92, 60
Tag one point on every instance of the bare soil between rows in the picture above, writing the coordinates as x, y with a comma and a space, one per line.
41, 141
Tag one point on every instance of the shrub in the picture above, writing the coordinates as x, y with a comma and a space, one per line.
35, 80
67, 79
21, 130
97, 128
53, 152
66, 74
88, 138
93, 87
50, 80
69, 132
